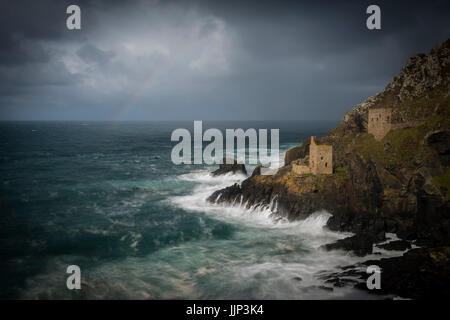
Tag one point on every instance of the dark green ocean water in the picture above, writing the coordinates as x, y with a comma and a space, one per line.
105, 196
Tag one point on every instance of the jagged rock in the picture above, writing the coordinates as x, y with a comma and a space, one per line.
257, 170
234, 167
297, 152
422, 73
226, 194
361, 244
356, 120
422, 273
418, 274
399, 245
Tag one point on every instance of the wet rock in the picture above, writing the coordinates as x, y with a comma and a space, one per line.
399, 245
361, 244
257, 171
225, 195
233, 167
422, 273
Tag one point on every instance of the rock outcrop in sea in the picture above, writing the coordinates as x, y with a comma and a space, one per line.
398, 184
230, 166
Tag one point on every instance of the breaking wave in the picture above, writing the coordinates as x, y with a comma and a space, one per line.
291, 255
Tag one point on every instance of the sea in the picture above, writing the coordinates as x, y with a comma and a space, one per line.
105, 196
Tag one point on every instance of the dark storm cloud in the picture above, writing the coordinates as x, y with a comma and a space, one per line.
205, 59
16, 50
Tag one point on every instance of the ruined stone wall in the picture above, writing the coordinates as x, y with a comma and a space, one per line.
321, 159
300, 168
379, 122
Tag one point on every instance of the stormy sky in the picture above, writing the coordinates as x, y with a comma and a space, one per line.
205, 60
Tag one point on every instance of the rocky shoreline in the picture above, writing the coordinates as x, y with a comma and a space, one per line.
400, 184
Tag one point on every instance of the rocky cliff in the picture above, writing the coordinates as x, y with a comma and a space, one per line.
400, 184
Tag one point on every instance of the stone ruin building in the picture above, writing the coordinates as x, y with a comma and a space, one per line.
319, 161
379, 122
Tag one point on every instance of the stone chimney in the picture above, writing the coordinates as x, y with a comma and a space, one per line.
312, 140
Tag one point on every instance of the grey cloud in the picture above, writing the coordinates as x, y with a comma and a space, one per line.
38, 76
205, 59
16, 50
91, 54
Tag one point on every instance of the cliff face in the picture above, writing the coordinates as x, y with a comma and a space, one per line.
400, 184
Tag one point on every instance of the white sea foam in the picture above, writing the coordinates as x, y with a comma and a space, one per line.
280, 271
196, 201
237, 212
